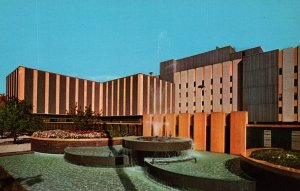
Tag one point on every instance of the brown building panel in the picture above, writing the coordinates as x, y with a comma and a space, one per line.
127, 102
169, 99
28, 85
62, 95
97, 97
163, 98
89, 93
109, 98
173, 98
158, 97
72, 93
135, 95
151, 106
81, 94
104, 99
115, 97
41, 92
298, 59
145, 94
52, 93
121, 105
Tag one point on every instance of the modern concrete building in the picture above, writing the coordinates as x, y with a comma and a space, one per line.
51, 93
266, 84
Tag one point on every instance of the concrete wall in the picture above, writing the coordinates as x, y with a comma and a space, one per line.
260, 84
51, 93
196, 127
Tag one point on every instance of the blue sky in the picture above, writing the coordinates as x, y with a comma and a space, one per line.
101, 40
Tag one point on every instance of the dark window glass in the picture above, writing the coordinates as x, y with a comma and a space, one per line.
296, 69
179, 86
220, 101
187, 104
211, 81
230, 100
194, 84
280, 110
295, 96
295, 109
230, 78
187, 85
202, 82
280, 71
202, 92
280, 97
221, 80
194, 103
187, 94
221, 91
202, 103
179, 104
211, 91
295, 82
230, 89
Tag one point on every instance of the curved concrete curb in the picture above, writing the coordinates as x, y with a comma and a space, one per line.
57, 146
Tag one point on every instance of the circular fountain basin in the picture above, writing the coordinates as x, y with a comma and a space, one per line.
201, 171
94, 156
157, 144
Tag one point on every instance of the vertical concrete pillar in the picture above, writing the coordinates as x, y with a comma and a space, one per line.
170, 125
200, 120
184, 125
35, 91
238, 124
21, 83
157, 124
147, 123
217, 132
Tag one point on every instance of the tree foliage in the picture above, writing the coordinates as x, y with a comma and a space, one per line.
16, 117
84, 119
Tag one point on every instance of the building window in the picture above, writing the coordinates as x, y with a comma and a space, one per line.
202, 82
194, 103
202, 92
179, 104
280, 71
211, 102
220, 101
179, 86
211, 92
296, 109
230, 78
179, 95
295, 96
186, 104
230, 89
187, 85
230, 100
280, 97
212, 81
202, 103
194, 84
295, 69
295, 82
221, 91
221, 80
187, 94
280, 110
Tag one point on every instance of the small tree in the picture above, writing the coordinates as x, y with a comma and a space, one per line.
83, 119
17, 117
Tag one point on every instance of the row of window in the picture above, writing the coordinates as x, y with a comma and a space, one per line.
211, 81
295, 97
211, 92
295, 110
202, 103
295, 70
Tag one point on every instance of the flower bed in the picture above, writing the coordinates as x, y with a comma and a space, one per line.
279, 157
55, 141
70, 134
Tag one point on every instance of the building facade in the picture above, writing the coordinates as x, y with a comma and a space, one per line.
51, 93
266, 84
